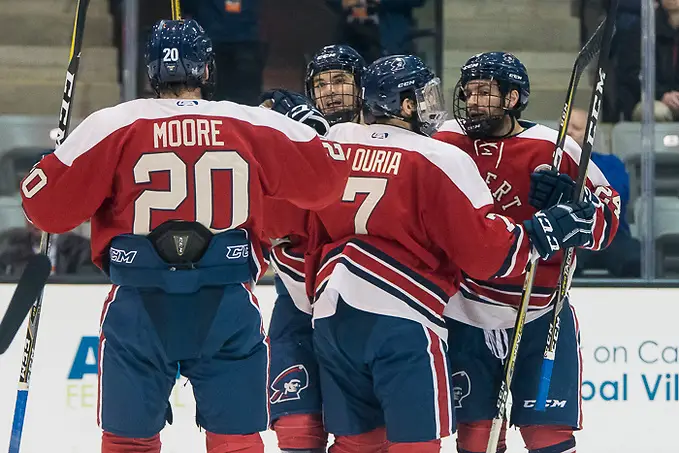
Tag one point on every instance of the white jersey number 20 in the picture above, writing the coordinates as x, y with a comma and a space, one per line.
169, 200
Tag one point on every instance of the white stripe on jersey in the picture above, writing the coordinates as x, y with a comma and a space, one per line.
296, 288
487, 315
105, 122
365, 296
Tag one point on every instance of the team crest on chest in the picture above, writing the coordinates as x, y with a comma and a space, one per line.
489, 149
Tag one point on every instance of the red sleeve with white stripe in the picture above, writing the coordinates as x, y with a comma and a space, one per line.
68, 186
458, 218
607, 215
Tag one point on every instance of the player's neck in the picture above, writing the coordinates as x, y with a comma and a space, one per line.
396, 122
193, 93
510, 128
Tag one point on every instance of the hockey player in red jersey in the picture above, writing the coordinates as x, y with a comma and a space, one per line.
515, 158
175, 187
332, 83
414, 211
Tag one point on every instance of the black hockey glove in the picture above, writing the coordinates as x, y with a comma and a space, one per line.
549, 188
296, 106
561, 226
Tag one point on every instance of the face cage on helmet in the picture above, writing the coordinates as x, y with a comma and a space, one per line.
431, 109
481, 126
337, 105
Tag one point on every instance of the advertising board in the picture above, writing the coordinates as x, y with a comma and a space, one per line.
630, 348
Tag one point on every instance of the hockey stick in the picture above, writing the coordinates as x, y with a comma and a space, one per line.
176, 10
27, 291
569, 254
32, 331
585, 56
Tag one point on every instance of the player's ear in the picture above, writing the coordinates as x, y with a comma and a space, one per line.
512, 99
408, 107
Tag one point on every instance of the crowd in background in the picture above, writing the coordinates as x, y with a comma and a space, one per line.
373, 27
623, 93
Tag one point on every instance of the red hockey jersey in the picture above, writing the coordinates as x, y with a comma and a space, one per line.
414, 211
288, 232
506, 165
141, 163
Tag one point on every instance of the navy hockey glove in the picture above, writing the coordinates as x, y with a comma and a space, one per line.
561, 226
296, 106
549, 188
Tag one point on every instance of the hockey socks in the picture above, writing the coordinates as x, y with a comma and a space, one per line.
548, 439
374, 441
301, 433
432, 446
234, 443
111, 443
473, 437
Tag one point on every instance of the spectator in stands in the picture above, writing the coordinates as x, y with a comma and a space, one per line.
376, 28
591, 13
17, 245
667, 67
622, 258
150, 11
233, 26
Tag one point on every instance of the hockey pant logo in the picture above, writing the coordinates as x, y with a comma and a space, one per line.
289, 384
462, 387
122, 256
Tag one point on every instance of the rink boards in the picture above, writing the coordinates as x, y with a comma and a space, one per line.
630, 344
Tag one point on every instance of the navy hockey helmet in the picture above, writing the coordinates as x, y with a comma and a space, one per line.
179, 52
390, 80
333, 82
509, 74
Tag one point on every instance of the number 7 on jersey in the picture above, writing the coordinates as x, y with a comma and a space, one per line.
374, 188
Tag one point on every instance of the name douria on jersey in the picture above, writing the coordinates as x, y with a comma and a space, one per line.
374, 160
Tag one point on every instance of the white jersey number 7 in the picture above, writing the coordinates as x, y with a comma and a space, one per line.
374, 188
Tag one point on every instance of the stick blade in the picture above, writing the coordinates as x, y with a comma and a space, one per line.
27, 291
